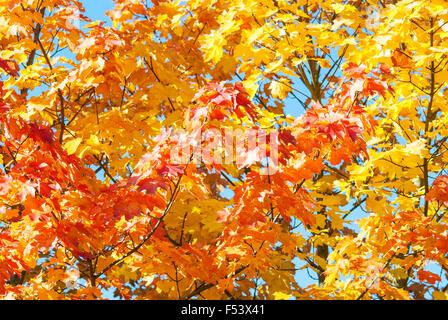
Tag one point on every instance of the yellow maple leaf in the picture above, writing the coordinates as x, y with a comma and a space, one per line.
73, 145
280, 89
93, 141
213, 47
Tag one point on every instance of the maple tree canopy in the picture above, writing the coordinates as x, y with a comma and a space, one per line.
128, 164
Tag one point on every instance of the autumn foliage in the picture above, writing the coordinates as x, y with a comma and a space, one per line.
344, 200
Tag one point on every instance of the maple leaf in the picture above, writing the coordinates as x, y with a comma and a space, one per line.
168, 170
354, 70
428, 276
150, 185
10, 67
279, 89
439, 191
4, 107
42, 133
287, 137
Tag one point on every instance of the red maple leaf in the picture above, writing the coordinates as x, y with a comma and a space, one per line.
10, 67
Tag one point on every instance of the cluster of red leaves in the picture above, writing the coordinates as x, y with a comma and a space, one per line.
10, 67
439, 190
222, 99
332, 122
335, 129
